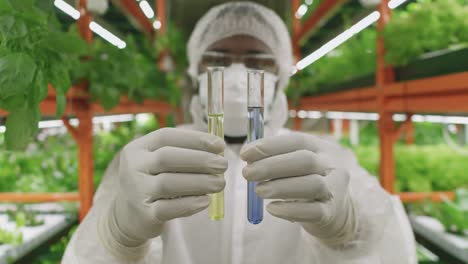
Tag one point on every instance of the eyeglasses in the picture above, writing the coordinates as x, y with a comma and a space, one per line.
252, 61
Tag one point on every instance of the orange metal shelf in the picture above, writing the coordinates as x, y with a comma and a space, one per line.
77, 99
441, 94
38, 197
78, 105
418, 197
445, 94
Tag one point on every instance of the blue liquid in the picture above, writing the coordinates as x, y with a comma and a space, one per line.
254, 203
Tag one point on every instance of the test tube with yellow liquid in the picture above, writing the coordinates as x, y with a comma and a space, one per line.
216, 127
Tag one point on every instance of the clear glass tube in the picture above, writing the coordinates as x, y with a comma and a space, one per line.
255, 85
216, 127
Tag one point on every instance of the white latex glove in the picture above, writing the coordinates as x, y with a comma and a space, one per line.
164, 175
303, 172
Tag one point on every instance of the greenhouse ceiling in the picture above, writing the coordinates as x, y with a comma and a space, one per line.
185, 13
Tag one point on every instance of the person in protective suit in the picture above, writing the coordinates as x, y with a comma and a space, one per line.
322, 206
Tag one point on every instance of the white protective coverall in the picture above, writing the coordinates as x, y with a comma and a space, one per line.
383, 233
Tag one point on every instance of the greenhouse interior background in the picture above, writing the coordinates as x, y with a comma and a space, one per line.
80, 79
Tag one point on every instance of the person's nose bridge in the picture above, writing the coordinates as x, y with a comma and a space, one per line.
237, 59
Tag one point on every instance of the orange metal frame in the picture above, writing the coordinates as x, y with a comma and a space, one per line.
78, 104
161, 13
134, 10
322, 11
38, 197
447, 94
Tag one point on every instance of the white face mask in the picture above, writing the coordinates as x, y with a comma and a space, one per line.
235, 97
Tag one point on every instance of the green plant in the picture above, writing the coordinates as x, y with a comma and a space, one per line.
174, 42
133, 71
452, 214
33, 53
55, 252
10, 237
50, 164
114, 72
426, 25
420, 168
23, 217
427, 165
352, 59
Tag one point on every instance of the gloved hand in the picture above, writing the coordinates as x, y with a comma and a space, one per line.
164, 175
304, 173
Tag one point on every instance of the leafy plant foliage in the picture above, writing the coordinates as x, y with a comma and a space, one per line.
428, 165
114, 72
50, 164
452, 214
425, 25
354, 58
33, 53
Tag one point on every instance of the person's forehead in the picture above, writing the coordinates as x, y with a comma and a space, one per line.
240, 44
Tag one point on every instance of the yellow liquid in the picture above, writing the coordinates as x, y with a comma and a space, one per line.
216, 127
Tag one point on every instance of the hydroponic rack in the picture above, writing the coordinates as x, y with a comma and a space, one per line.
79, 105
443, 94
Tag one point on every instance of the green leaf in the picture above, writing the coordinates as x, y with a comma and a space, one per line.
21, 126
39, 91
66, 43
5, 6
13, 102
61, 102
108, 97
23, 5
16, 74
11, 28
60, 80
20, 219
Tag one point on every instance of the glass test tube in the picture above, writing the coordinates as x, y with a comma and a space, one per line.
216, 127
255, 83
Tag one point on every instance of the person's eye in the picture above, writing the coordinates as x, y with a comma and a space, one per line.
216, 61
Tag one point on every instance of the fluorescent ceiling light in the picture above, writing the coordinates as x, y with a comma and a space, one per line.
301, 11
395, 3
293, 70
146, 8
107, 35
67, 9
338, 40
157, 24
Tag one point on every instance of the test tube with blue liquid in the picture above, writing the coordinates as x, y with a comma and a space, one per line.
255, 85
